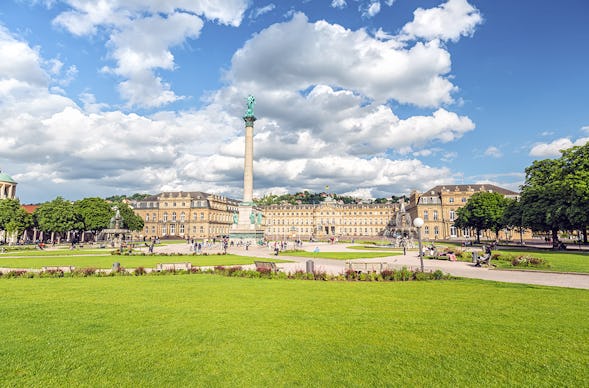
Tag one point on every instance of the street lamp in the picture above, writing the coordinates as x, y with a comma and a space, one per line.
418, 223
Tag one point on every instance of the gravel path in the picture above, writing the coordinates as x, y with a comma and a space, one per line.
457, 268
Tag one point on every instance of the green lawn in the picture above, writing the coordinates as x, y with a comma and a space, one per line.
374, 248
557, 260
340, 255
126, 261
207, 330
58, 252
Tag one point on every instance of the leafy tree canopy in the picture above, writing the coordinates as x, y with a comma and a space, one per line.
483, 210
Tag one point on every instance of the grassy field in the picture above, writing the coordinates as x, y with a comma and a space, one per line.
125, 261
557, 260
339, 255
206, 330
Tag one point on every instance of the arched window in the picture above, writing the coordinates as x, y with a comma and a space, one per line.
182, 216
165, 216
173, 216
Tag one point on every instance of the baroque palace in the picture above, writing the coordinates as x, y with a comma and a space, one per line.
438, 208
203, 215
185, 214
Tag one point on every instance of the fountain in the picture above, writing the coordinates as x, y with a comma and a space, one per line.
115, 234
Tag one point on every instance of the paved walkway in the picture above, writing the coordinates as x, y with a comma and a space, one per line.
457, 268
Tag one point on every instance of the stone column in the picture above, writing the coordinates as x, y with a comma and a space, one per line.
248, 168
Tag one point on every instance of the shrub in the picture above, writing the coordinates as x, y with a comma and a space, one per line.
527, 261
438, 275
139, 271
52, 273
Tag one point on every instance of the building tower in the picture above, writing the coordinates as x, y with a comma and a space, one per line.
7, 186
247, 223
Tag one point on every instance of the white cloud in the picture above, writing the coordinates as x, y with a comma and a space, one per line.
372, 10
338, 3
552, 149
327, 120
305, 54
141, 34
449, 21
585, 128
493, 152
262, 10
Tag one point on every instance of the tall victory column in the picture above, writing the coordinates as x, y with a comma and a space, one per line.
248, 165
247, 224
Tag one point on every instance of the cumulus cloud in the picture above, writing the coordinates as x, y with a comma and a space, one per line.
552, 149
305, 54
141, 35
449, 21
323, 104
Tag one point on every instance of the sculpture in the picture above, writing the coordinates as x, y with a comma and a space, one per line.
252, 218
235, 218
251, 100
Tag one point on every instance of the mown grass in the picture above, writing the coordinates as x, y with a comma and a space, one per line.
126, 261
206, 330
58, 252
557, 261
339, 255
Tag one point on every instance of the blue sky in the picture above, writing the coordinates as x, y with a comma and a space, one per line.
372, 98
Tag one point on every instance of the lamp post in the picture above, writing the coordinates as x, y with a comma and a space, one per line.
418, 223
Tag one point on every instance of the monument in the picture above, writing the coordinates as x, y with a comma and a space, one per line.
247, 223
115, 234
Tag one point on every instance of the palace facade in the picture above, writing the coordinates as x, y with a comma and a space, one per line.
438, 208
185, 215
327, 219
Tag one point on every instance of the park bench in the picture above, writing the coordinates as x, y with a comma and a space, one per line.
266, 265
173, 266
366, 267
62, 268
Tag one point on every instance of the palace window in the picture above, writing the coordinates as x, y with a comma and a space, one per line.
173, 216
165, 216
181, 228
154, 217
147, 217
453, 231
435, 215
426, 229
425, 215
182, 216
164, 230
452, 215
436, 231
173, 229
451, 199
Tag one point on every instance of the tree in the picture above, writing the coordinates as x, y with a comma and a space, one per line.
57, 216
544, 198
94, 213
482, 211
575, 181
513, 217
13, 218
131, 221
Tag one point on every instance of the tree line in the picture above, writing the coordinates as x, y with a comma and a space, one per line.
553, 198
60, 216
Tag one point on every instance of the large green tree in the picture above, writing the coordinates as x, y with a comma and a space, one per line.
57, 216
13, 218
544, 198
94, 214
483, 210
513, 217
575, 182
